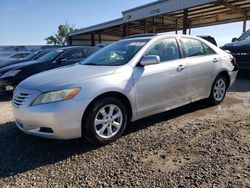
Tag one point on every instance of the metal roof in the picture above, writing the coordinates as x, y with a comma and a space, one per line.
143, 6
104, 25
168, 15
161, 7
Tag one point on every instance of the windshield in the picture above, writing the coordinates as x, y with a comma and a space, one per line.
51, 55
30, 56
245, 35
118, 53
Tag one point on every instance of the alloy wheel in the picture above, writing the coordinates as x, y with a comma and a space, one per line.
219, 89
108, 121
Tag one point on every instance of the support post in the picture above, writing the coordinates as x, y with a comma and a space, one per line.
185, 21
92, 36
125, 30
69, 41
154, 29
244, 23
176, 26
189, 25
100, 38
144, 26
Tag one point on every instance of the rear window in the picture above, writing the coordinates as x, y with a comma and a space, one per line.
192, 47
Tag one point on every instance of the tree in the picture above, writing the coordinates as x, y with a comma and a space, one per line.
61, 37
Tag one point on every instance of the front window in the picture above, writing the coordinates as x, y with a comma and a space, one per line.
118, 53
245, 35
38, 55
51, 55
166, 49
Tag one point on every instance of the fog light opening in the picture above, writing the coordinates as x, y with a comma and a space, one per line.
46, 130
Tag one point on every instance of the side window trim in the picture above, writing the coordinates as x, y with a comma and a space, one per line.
180, 46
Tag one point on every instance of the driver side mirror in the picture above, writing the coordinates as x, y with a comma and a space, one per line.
234, 39
61, 60
150, 60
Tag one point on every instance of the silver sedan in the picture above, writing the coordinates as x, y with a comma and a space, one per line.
130, 79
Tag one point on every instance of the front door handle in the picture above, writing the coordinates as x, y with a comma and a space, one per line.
215, 60
181, 67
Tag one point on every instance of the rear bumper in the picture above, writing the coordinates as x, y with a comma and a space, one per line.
233, 75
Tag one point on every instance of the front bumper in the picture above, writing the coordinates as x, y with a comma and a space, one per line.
58, 120
9, 81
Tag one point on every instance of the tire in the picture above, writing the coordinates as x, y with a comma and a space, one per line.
101, 125
218, 90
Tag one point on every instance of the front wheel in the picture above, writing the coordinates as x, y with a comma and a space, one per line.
105, 121
218, 90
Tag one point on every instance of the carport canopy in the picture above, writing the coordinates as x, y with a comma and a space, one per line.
164, 16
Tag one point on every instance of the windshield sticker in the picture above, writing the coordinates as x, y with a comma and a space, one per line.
137, 43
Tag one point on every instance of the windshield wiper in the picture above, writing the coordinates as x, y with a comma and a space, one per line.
89, 64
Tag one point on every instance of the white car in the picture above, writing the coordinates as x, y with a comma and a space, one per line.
130, 79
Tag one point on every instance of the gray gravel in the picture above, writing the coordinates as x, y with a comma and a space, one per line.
192, 146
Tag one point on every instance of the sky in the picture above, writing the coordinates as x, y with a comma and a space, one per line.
28, 22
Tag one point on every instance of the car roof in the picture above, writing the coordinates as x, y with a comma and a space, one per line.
72, 47
156, 35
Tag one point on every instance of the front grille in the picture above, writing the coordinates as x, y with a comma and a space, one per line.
20, 98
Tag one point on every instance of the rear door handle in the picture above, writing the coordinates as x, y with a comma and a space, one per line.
181, 67
215, 60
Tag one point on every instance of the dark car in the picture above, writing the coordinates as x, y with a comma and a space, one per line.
9, 50
19, 55
209, 39
240, 49
12, 75
33, 56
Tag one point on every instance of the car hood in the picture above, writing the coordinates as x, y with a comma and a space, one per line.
17, 66
238, 44
65, 77
8, 61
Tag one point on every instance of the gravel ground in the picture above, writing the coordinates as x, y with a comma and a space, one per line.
192, 146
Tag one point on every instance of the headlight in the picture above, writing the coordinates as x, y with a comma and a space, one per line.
55, 96
10, 73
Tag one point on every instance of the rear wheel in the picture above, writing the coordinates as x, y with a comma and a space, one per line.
105, 121
218, 90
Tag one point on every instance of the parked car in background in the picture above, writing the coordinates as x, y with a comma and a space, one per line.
9, 50
47, 47
101, 45
33, 56
209, 39
240, 49
125, 81
19, 55
12, 75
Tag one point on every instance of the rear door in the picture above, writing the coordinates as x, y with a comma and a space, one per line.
203, 63
164, 84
